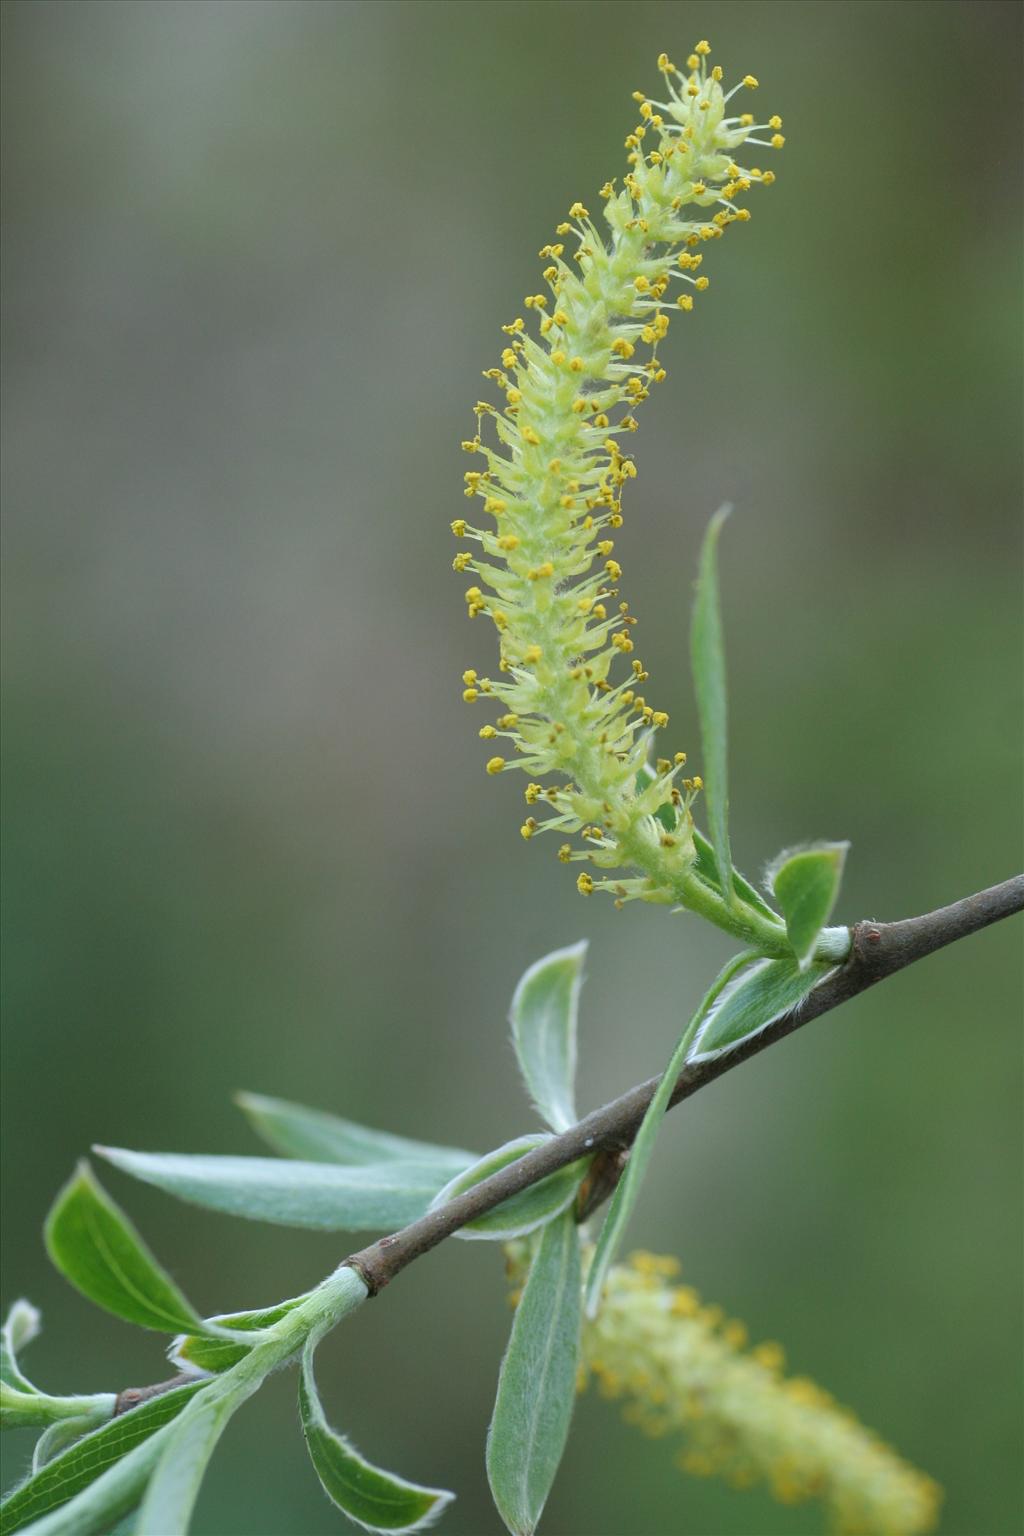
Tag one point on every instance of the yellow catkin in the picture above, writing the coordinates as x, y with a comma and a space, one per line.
681, 1370
573, 371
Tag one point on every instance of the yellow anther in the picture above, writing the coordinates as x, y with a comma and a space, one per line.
558, 358
659, 719
614, 569
495, 764
528, 828
747, 120
530, 436
508, 541
775, 121
698, 189
577, 211
495, 506
701, 283
565, 852
462, 562
623, 348
768, 178
532, 654
716, 73
750, 81
458, 527
585, 884
487, 733
470, 695
532, 793
703, 48
777, 140
665, 63
469, 677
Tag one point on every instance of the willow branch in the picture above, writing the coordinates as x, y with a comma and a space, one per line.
877, 950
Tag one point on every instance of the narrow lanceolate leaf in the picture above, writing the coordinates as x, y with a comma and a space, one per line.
708, 658
537, 1384
73, 1473
628, 1187
754, 1000
805, 882
312, 1134
291, 1194
21, 1326
706, 866
376, 1500
176, 1478
95, 1246
543, 1020
193, 1352
58, 1436
521, 1213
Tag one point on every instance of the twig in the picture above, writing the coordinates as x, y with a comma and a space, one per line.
878, 950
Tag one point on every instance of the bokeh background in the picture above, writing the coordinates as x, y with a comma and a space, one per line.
256, 257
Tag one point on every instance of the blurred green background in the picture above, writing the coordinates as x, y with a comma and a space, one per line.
256, 257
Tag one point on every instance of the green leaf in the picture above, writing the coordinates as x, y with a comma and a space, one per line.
58, 1436
543, 1020
312, 1134
21, 1326
537, 1384
95, 1246
193, 1352
806, 881
628, 1187
756, 999
178, 1474
291, 1194
708, 658
521, 1213
374, 1499
72, 1473
706, 866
